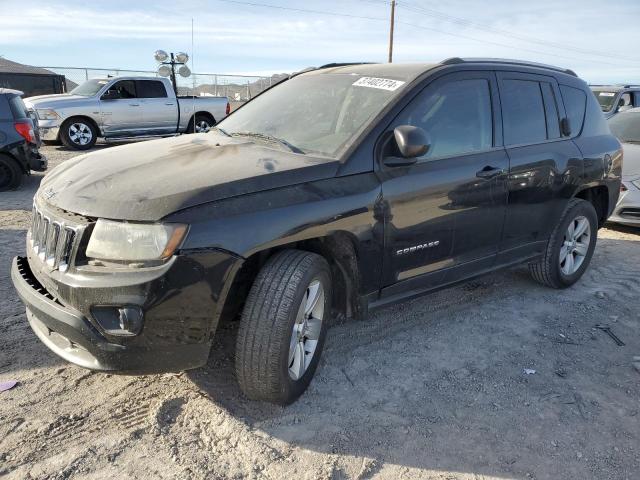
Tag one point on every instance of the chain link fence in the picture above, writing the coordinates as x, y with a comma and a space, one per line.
238, 88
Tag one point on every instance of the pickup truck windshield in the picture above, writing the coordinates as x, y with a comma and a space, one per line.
606, 99
316, 114
89, 88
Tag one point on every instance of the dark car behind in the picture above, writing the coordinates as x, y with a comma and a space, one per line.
19, 141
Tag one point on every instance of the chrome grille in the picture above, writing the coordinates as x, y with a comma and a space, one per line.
52, 240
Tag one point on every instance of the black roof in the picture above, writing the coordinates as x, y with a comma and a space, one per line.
410, 71
7, 66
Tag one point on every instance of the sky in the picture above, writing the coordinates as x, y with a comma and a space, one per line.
597, 39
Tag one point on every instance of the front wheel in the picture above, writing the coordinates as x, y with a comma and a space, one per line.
570, 247
283, 326
78, 134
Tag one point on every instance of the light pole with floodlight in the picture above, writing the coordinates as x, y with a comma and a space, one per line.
168, 64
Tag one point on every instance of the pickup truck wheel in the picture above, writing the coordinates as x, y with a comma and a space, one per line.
283, 326
570, 247
78, 134
202, 124
10, 174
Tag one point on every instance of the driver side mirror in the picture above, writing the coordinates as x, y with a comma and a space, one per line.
412, 142
110, 95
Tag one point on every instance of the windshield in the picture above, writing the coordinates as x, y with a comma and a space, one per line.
317, 114
606, 100
89, 88
626, 126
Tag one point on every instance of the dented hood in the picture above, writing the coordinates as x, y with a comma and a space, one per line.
147, 181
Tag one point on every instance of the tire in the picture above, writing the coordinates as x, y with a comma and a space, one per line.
78, 133
10, 174
276, 356
202, 124
551, 270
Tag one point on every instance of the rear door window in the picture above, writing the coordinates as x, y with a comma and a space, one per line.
151, 89
575, 104
523, 112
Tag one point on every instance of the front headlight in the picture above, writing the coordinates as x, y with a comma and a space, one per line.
134, 242
47, 114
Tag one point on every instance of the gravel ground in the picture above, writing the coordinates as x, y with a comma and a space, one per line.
434, 388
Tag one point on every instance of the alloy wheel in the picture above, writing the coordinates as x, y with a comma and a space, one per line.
574, 249
202, 126
80, 133
306, 330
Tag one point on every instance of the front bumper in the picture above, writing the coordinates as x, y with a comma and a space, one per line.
627, 210
49, 129
180, 318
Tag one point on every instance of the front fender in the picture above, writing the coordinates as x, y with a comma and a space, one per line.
256, 222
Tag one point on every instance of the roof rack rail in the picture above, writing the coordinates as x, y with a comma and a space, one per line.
457, 60
343, 64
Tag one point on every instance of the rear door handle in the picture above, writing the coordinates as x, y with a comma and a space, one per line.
134, 104
489, 172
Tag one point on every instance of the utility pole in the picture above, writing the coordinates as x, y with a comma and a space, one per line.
393, 15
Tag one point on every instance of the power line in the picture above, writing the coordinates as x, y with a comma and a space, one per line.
414, 25
481, 26
304, 10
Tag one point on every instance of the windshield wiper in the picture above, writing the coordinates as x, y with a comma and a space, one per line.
269, 139
221, 131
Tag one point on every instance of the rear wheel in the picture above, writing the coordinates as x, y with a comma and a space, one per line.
283, 327
10, 174
78, 133
570, 248
201, 124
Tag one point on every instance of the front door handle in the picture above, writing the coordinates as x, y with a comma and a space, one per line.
134, 104
168, 103
489, 172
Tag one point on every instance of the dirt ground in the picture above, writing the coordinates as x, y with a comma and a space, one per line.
432, 389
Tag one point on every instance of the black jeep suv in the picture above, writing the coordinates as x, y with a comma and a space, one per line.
337, 191
19, 141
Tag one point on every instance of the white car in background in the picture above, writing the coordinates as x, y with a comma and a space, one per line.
123, 107
626, 126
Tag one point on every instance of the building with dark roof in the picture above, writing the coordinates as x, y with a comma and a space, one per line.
31, 80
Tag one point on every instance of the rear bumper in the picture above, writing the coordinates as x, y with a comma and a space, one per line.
72, 336
38, 162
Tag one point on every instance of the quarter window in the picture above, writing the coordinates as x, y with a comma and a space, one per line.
575, 103
457, 116
523, 112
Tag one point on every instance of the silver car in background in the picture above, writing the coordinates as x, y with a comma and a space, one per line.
626, 126
123, 107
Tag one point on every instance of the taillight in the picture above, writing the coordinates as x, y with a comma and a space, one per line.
25, 129
623, 187
228, 108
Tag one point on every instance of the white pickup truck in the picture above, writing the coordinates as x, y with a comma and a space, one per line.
121, 108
